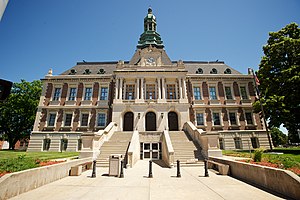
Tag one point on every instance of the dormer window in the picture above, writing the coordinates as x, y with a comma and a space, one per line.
227, 71
72, 72
214, 71
199, 71
101, 71
87, 71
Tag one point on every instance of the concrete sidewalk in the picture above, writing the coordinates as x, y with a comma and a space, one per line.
136, 185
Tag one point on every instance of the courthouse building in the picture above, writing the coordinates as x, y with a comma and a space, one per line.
150, 99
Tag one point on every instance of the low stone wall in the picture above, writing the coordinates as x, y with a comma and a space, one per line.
19, 182
278, 180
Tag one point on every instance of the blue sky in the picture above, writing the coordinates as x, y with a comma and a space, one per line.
36, 35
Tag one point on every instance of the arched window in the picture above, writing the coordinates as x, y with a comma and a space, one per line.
199, 71
227, 71
214, 71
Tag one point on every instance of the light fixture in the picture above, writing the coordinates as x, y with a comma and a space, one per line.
162, 115
139, 115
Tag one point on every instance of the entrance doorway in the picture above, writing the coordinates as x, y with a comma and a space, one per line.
150, 121
128, 122
173, 121
151, 151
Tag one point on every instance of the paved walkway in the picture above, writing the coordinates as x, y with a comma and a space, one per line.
135, 185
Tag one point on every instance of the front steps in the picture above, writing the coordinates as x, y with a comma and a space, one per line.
184, 150
118, 144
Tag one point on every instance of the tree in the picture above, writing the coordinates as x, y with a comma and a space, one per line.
279, 74
278, 137
17, 112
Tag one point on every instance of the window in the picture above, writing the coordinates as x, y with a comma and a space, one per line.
56, 94
130, 92
150, 93
238, 143
212, 93
243, 92
88, 93
171, 91
197, 93
63, 144
249, 118
79, 144
84, 119
200, 119
46, 144
228, 92
216, 118
104, 93
51, 120
68, 119
221, 143
72, 94
232, 118
255, 142
101, 119
214, 71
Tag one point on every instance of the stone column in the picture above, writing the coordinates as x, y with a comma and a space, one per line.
117, 89
138, 89
159, 88
176, 90
121, 88
180, 88
184, 89
163, 89
142, 88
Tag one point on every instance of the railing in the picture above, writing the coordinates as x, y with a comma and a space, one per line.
133, 154
167, 149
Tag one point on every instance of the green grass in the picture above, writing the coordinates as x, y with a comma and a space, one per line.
13, 161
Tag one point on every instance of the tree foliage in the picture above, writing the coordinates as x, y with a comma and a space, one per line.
278, 137
279, 74
17, 112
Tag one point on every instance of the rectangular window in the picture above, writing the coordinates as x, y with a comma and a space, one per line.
171, 91
228, 92
72, 94
63, 144
68, 119
51, 120
255, 142
244, 92
197, 93
221, 143
101, 119
56, 94
232, 118
212, 93
249, 118
104, 93
130, 92
88, 93
200, 119
150, 92
84, 119
216, 118
238, 143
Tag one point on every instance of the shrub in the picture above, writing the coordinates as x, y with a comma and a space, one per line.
258, 154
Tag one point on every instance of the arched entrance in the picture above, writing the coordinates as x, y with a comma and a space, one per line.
128, 122
173, 121
150, 121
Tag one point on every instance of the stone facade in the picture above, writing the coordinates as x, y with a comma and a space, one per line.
148, 93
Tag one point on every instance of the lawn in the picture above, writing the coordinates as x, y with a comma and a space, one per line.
290, 159
13, 161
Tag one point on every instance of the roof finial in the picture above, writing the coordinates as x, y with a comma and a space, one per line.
150, 10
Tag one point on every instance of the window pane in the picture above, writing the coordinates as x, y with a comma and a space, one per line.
200, 120
150, 91
51, 121
84, 119
171, 94
244, 93
228, 93
249, 118
88, 94
238, 143
255, 142
216, 117
197, 93
56, 94
101, 119
232, 118
212, 93
222, 144
130, 92
104, 93
68, 120
72, 95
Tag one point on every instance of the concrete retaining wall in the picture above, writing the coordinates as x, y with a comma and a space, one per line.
281, 181
19, 182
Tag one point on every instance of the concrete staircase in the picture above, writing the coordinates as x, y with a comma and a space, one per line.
118, 144
185, 150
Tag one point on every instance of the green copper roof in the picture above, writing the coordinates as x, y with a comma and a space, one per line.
150, 36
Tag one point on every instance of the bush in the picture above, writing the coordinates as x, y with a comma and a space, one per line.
258, 154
